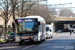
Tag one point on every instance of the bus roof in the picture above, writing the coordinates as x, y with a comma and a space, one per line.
39, 18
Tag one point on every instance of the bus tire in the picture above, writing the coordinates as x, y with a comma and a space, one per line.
51, 36
11, 41
7, 41
20, 43
39, 41
44, 40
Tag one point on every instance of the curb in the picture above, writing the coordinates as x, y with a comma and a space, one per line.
5, 42
2, 42
54, 33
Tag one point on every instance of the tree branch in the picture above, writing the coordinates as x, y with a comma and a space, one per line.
29, 8
2, 17
4, 4
10, 15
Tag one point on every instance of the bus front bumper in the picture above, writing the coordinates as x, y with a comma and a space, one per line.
30, 39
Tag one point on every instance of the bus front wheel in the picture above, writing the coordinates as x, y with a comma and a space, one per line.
20, 43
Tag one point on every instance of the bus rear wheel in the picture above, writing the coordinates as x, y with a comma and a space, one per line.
49, 37
44, 40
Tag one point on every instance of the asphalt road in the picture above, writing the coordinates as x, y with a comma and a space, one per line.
60, 41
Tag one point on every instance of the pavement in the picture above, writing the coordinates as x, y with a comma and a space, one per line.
60, 41
2, 42
2, 38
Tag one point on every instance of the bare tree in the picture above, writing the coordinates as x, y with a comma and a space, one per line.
25, 7
66, 12
6, 13
43, 11
22, 7
13, 6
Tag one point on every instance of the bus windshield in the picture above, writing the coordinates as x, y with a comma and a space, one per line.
27, 25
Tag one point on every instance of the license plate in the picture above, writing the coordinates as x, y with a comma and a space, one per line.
26, 40
23, 37
10, 39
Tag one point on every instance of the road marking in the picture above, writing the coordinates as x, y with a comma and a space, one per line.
27, 47
9, 47
15, 47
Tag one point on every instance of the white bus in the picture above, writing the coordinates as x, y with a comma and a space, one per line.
30, 29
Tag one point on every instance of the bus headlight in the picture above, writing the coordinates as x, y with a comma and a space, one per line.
35, 38
17, 38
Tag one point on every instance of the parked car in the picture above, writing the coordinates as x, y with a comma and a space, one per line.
11, 37
49, 31
59, 31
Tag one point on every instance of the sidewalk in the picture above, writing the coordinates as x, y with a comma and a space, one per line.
54, 33
2, 42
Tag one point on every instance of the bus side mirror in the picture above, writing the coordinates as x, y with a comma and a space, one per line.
50, 30
13, 25
39, 23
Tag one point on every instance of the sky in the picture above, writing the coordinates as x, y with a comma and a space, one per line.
52, 2
62, 1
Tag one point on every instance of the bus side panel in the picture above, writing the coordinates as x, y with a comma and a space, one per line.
40, 33
43, 31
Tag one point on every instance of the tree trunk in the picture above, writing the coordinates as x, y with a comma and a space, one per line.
22, 8
5, 29
6, 17
13, 9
